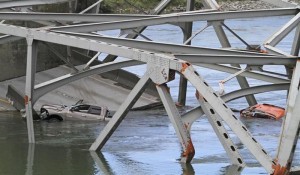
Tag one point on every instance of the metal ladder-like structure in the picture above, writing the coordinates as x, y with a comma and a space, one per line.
163, 60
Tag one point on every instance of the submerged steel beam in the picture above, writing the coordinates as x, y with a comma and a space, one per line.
164, 19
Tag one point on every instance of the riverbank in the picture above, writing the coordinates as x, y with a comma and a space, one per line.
136, 7
244, 5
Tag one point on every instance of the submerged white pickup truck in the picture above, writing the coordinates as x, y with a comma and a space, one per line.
78, 111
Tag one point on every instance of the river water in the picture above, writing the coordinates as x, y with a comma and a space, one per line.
145, 143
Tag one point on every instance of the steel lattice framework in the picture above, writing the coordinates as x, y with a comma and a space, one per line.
163, 60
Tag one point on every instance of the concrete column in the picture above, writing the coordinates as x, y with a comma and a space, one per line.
187, 33
30, 77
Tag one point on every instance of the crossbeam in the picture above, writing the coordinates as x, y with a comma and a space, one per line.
212, 16
69, 17
162, 46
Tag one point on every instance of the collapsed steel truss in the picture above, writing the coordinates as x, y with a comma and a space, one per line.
163, 61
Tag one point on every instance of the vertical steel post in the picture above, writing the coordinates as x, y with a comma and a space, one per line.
30, 77
294, 50
225, 43
181, 130
290, 127
187, 33
121, 113
296, 43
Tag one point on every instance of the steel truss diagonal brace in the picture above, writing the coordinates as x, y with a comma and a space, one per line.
228, 116
290, 127
225, 43
217, 124
121, 113
284, 31
181, 130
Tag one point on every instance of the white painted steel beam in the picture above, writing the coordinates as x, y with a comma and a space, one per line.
290, 126
69, 17
175, 118
164, 19
29, 87
218, 126
121, 113
163, 47
296, 42
255, 90
273, 50
228, 116
93, 45
284, 31
250, 74
233, 59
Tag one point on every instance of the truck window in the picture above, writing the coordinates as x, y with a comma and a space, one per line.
96, 111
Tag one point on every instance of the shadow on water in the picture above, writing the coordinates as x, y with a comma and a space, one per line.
103, 167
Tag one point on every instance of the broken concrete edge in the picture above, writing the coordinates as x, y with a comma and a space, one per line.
17, 100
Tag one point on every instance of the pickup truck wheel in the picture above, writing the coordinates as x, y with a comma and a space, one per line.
54, 118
